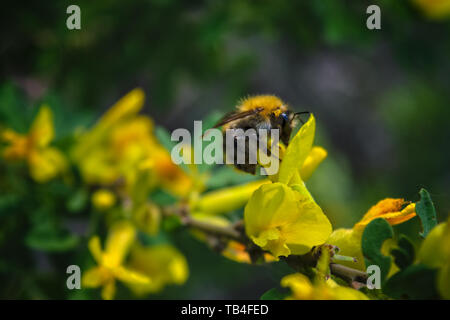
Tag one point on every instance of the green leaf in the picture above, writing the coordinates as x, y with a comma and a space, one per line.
273, 294
415, 282
375, 233
426, 212
403, 255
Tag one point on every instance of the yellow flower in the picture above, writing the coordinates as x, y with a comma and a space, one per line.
282, 217
103, 199
302, 289
116, 145
110, 261
392, 210
163, 264
434, 9
435, 252
122, 146
44, 162
349, 240
285, 220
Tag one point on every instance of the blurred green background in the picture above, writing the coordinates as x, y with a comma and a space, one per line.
381, 99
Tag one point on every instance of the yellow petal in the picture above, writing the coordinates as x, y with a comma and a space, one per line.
285, 221
137, 130
41, 132
269, 207
95, 248
129, 276
345, 293
9, 135
18, 145
100, 134
120, 238
297, 151
435, 249
300, 286
315, 157
277, 247
163, 264
128, 105
99, 167
302, 289
227, 199
94, 277
435, 253
389, 209
46, 164
272, 241
109, 290
311, 227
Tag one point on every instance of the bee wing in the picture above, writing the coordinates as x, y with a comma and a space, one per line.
236, 115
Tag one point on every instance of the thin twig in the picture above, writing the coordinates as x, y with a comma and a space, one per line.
356, 278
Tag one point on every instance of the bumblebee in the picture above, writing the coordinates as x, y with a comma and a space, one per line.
261, 112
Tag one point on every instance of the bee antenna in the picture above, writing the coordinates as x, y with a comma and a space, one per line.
297, 114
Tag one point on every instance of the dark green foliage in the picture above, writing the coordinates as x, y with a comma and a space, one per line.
403, 255
426, 212
375, 233
415, 282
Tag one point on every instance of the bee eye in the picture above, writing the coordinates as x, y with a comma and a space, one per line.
285, 116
